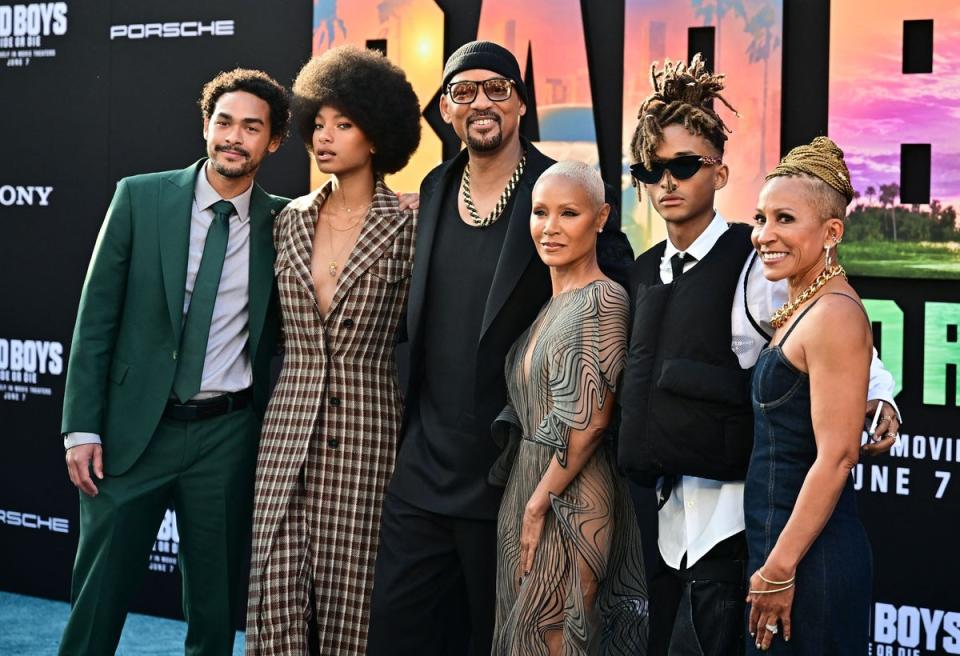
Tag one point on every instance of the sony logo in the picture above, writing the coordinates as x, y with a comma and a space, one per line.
173, 30
17, 195
29, 520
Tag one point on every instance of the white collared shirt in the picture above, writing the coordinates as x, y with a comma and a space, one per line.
702, 512
226, 367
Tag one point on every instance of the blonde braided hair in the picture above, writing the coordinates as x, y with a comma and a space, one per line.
821, 159
681, 95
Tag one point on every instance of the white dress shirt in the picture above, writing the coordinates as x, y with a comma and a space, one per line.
226, 366
702, 512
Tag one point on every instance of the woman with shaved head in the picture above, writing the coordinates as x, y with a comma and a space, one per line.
569, 568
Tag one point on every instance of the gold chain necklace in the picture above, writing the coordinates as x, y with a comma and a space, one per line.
350, 210
482, 222
349, 227
333, 265
780, 316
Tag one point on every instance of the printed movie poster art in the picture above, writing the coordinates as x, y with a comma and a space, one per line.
874, 108
747, 45
547, 37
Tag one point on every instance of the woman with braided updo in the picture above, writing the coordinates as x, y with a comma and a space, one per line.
809, 557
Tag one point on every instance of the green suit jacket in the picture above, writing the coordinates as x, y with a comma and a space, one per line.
124, 351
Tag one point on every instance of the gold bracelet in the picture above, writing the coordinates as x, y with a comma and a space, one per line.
769, 582
772, 591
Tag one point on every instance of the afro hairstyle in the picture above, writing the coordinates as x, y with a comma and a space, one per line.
365, 86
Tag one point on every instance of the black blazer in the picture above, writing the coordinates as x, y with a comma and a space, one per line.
521, 284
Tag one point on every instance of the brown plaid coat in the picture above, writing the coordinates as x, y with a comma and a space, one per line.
330, 434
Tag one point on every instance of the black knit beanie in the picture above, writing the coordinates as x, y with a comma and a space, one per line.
488, 56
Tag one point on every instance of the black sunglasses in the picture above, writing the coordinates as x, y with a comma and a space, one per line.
681, 168
464, 92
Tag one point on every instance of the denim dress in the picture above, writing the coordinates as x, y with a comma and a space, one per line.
831, 607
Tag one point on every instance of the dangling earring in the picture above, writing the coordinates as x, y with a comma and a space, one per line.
826, 253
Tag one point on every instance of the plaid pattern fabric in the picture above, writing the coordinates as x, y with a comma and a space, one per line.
329, 438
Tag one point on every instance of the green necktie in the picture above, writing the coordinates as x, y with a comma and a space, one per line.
196, 329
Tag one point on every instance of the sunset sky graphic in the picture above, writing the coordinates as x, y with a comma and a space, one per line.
874, 107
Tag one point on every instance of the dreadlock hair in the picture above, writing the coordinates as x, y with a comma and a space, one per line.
681, 95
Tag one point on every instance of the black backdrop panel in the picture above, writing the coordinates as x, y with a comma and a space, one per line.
55, 118
114, 100
909, 499
155, 82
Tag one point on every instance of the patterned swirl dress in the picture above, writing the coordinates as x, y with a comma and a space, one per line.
587, 582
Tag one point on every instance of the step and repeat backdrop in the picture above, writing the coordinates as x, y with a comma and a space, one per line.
92, 92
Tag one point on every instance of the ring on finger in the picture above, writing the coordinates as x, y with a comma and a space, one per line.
772, 628
889, 434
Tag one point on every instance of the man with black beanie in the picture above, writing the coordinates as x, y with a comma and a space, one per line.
477, 284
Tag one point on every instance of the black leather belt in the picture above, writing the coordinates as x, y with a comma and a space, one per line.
207, 408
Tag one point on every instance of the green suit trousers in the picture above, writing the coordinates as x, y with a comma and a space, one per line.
205, 468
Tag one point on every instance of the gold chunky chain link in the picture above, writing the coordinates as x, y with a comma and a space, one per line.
484, 221
780, 316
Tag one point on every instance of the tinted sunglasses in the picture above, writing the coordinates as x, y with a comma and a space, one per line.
464, 92
681, 168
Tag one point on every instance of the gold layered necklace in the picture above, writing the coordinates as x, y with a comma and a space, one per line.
333, 265
484, 221
780, 316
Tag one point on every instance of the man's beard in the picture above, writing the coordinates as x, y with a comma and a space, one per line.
488, 143
238, 170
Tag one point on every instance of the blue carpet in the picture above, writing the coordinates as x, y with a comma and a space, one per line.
30, 626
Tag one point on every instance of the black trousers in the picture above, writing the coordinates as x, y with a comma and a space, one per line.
434, 588
699, 611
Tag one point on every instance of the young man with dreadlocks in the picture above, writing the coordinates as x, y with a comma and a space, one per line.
701, 316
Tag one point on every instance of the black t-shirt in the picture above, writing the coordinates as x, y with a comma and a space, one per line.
462, 265
453, 450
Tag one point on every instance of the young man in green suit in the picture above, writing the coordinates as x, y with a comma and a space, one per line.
169, 372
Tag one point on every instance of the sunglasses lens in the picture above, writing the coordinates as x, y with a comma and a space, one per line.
497, 89
680, 168
463, 92
684, 167
648, 176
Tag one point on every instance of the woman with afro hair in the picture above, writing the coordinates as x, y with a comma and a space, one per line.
329, 440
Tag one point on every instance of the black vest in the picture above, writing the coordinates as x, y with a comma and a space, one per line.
685, 400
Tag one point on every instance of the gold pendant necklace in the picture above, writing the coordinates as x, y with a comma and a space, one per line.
333, 265
780, 316
482, 222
